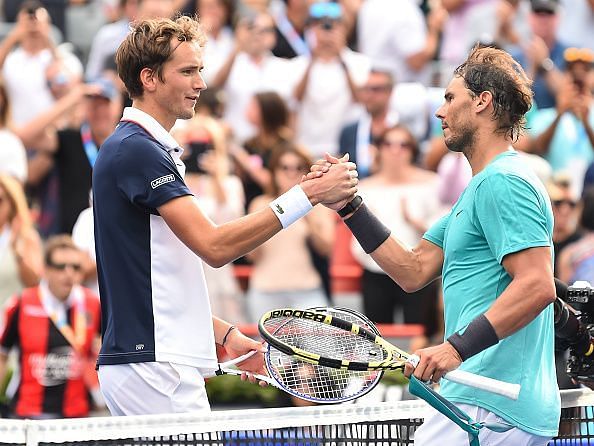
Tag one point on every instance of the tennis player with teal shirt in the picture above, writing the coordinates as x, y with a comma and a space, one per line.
494, 253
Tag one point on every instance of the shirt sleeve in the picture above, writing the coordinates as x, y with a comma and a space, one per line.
146, 174
436, 233
511, 215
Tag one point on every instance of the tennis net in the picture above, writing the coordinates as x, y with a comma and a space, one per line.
383, 424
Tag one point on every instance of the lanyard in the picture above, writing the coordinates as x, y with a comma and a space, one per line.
293, 38
76, 336
89, 145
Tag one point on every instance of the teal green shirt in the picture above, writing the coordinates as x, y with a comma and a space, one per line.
504, 209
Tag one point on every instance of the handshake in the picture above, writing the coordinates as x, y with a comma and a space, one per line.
331, 181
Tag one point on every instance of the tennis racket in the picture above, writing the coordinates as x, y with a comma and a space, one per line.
325, 339
312, 382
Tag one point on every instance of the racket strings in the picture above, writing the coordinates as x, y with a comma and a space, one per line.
316, 382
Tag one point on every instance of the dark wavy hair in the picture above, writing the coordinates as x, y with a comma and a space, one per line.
493, 70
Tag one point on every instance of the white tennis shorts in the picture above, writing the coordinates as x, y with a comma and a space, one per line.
152, 388
438, 430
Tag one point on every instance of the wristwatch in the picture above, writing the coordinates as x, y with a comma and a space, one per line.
351, 206
547, 65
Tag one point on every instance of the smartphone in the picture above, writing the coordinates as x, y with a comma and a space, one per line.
196, 149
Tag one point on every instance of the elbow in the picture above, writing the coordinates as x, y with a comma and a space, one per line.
543, 292
216, 257
410, 285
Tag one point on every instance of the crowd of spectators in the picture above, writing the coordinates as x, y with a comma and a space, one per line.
289, 80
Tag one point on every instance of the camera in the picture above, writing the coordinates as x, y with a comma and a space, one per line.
574, 327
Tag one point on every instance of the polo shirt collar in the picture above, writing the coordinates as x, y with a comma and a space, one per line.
151, 125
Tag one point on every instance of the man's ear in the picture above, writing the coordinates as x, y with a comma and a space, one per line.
148, 79
483, 100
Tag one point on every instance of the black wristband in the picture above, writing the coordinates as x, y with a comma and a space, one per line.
478, 336
367, 229
350, 207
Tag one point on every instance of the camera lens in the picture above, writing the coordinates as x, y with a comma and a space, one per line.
327, 26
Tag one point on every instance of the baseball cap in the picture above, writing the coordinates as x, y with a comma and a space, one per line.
106, 88
585, 55
549, 6
325, 10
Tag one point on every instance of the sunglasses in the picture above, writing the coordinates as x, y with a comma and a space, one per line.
62, 266
396, 144
579, 55
292, 168
376, 88
558, 203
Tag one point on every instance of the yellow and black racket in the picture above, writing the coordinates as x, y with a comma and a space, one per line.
323, 338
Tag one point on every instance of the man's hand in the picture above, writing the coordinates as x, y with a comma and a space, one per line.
434, 362
332, 184
238, 344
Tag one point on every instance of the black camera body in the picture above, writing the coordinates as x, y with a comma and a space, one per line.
574, 330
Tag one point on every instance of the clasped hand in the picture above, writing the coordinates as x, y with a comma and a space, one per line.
333, 180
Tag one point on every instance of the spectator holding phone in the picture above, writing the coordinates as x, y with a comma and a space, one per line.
565, 134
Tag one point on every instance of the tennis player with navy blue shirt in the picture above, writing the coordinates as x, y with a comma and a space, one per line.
151, 237
494, 254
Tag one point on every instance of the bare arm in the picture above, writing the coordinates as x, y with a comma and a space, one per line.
218, 245
452, 5
532, 288
412, 269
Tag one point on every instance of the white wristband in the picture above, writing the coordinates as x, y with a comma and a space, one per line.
291, 206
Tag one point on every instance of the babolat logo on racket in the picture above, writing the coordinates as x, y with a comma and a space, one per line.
300, 314
162, 180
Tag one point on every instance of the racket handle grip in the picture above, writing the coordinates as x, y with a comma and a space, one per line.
503, 388
511, 391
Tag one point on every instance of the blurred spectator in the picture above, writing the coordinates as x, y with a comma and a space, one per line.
326, 90
220, 196
55, 326
269, 114
565, 135
357, 138
83, 236
542, 56
405, 198
55, 8
566, 214
20, 245
469, 22
290, 18
576, 261
512, 23
74, 149
215, 17
280, 280
109, 37
13, 158
394, 36
577, 23
24, 67
249, 69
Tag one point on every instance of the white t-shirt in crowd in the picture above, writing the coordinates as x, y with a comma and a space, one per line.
246, 79
328, 105
26, 84
216, 52
389, 31
13, 158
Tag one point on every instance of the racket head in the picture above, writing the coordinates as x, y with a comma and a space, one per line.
314, 382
